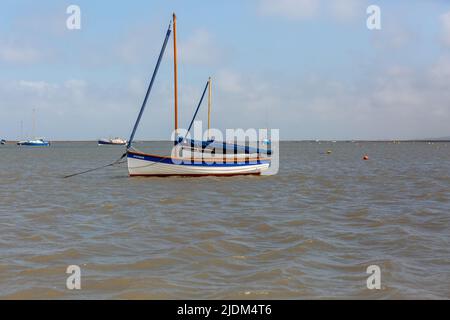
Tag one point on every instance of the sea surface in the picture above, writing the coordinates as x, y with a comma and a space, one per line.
311, 231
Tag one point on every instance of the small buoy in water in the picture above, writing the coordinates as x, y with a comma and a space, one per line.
329, 152
366, 157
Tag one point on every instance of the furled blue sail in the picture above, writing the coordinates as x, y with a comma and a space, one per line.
220, 145
161, 54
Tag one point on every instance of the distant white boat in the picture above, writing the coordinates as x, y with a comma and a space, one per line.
115, 141
3, 141
34, 143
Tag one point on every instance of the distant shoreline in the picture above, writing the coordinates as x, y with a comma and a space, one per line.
317, 141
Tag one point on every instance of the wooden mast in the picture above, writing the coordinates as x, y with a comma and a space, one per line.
209, 105
175, 70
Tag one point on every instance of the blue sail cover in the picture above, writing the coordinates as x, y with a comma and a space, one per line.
212, 144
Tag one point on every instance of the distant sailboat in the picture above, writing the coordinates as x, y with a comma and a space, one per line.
34, 143
37, 142
249, 161
115, 141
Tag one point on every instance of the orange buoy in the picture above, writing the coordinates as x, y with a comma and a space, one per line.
366, 157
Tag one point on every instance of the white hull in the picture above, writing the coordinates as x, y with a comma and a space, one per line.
112, 142
146, 167
198, 154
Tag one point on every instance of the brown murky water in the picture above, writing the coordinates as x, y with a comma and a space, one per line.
309, 232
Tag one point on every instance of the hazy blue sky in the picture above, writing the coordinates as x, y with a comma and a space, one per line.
310, 68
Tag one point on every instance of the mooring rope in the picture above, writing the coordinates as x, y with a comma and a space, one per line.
118, 161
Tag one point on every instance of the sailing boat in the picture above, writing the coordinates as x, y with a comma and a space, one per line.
115, 142
40, 142
37, 142
251, 161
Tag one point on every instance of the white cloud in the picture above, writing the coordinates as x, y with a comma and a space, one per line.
439, 72
445, 22
291, 9
34, 85
37, 87
15, 54
229, 81
129, 45
400, 103
346, 10
130, 49
397, 103
341, 10
396, 34
76, 109
199, 49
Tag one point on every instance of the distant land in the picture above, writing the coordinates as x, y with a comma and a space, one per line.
439, 139
442, 139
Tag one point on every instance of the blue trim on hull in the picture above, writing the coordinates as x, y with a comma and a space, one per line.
168, 160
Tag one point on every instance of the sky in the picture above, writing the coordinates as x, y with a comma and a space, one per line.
310, 68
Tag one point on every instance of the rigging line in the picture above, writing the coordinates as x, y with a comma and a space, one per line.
150, 86
196, 111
